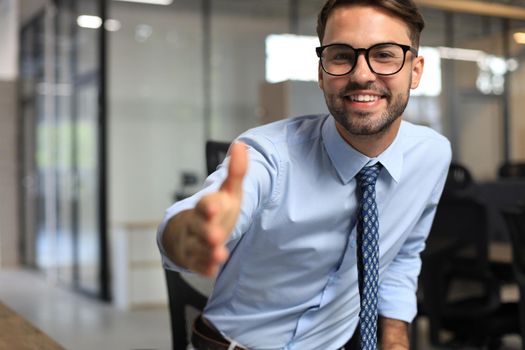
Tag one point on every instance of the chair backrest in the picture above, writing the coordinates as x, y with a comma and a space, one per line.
457, 252
216, 151
181, 295
515, 220
512, 170
458, 178
463, 220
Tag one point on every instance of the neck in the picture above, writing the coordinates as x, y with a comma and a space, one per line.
371, 145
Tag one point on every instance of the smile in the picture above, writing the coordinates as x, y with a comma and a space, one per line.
364, 98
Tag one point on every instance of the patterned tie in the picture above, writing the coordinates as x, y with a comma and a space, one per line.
368, 255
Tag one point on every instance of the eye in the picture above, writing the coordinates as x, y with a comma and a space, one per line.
347, 56
339, 54
384, 54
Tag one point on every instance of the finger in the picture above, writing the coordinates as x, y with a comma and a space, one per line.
205, 234
208, 206
236, 169
219, 254
209, 265
208, 224
198, 227
218, 257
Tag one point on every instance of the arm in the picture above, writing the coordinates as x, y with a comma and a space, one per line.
195, 239
393, 334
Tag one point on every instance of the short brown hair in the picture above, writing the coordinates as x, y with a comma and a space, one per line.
406, 10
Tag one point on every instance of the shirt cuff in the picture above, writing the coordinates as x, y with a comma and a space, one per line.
399, 305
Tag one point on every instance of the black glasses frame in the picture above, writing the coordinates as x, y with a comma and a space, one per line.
319, 50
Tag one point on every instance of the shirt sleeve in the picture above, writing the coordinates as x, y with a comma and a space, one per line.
257, 189
397, 291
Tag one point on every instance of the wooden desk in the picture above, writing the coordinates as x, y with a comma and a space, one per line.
18, 333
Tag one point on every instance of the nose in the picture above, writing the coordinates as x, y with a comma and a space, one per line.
362, 71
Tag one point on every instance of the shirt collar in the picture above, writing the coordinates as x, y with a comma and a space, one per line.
348, 161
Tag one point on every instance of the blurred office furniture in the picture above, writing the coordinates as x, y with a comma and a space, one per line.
188, 183
515, 219
215, 153
181, 295
512, 170
458, 179
137, 274
460, 291
181, 292
498, 195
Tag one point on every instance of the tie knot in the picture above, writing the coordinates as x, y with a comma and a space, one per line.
368, 175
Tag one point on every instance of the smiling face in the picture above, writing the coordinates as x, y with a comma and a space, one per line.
366, 105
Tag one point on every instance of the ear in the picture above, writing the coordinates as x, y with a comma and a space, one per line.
417, 71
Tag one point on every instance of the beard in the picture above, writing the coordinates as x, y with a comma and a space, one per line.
364, 123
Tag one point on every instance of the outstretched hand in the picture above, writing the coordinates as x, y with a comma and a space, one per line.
214, 218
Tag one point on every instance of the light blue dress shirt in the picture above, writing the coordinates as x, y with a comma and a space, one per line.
291, 279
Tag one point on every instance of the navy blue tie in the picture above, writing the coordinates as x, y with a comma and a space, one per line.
368, 255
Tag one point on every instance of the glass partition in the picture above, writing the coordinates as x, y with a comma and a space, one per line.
62, 120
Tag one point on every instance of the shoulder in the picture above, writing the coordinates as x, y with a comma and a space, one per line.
424, 137
279, 136
425, 148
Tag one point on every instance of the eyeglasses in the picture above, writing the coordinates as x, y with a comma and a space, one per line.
382, 59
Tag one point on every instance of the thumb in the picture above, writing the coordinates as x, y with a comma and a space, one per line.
236, 169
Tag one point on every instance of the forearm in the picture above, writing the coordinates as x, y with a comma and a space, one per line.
393, 334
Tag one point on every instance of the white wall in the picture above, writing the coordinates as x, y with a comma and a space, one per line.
517, 111
8, 175
155, 108
8, 39
8, 141
156, 98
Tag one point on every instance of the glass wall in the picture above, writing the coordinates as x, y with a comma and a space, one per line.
61, 110
239, 60
156, 106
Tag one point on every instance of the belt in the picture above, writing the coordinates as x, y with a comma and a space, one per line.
205, 337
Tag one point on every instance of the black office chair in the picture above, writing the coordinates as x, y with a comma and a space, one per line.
512, 170
460, 182
215, 153
515, 219
180, 293
459, 179
460, 292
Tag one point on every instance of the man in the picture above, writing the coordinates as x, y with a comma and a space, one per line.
279, 221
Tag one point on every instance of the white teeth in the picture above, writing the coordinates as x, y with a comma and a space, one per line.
364, 98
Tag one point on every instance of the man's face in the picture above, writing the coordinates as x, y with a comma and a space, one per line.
364, 103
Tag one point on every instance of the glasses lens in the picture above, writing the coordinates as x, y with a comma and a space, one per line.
338, 59
386, 58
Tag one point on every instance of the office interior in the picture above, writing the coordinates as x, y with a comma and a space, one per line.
107, 107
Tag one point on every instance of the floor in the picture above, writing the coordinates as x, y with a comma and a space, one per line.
81, 323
